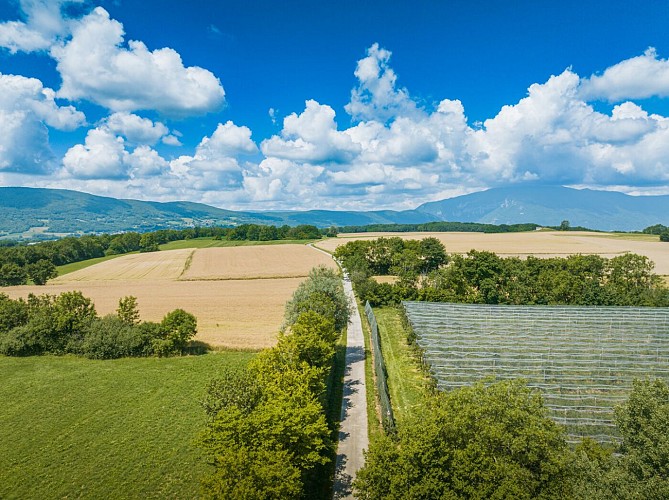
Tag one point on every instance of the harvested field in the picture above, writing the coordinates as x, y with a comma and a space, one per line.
133, 267
238, 294
538, 243
278, 261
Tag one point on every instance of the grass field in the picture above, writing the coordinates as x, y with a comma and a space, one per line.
537, 243
407, 383
76, 428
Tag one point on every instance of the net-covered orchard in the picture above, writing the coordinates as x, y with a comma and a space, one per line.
582, 359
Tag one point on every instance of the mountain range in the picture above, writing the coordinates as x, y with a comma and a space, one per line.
34, 212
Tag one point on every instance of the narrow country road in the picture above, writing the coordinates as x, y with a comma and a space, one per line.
353, 437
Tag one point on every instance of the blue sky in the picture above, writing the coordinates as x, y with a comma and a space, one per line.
344, 105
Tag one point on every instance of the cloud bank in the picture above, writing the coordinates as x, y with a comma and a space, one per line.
396, 152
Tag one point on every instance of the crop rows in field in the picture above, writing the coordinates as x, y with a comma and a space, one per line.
582, 359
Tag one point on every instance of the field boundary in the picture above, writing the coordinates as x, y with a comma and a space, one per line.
387, 416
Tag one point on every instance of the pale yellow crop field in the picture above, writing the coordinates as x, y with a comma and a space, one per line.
135, 267
253, 262
538, 243
234, 313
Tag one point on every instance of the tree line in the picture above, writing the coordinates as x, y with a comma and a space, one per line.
425, 271
69, 324
268, 433
496, 440
38, 261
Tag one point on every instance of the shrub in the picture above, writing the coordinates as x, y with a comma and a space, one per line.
111, 338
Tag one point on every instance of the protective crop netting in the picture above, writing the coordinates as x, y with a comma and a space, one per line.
380, 369
582, 359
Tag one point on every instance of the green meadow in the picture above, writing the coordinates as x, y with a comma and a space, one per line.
127, 428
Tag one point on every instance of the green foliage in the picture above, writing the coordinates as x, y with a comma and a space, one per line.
110, 338
268, 436
12, 274
311, 295
232, 388
656, 229
68, 323
253, 474
312, 338
643, 422
432, 227
148, 243
13, 313
475, 442
425, 272
41, 271
177, 329
664, 237
127, 310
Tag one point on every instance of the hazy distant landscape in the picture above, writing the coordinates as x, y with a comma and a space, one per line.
34, 213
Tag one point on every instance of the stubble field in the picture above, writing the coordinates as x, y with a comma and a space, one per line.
539, 243
237, 293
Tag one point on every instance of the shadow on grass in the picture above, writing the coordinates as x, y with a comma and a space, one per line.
197, 348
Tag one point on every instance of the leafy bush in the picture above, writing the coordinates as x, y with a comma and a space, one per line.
111, 337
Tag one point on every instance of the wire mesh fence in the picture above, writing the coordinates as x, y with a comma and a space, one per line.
582, 359
387, 417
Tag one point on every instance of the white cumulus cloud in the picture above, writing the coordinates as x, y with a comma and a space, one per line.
136, 129
312, 137
635, 78
44, 24
96, 65
27, 108
377, 97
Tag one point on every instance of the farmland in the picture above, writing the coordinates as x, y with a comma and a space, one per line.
236, 293
126, 428
537, 243
582, 359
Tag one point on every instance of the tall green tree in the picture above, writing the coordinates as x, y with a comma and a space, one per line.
643, 422
481, 441
41, 271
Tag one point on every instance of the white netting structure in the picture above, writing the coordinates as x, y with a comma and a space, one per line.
582, 359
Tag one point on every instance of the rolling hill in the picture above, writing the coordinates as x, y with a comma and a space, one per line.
31, 212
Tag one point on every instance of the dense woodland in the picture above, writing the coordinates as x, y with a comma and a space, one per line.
426, 272
271, 431
69, 324
38, 262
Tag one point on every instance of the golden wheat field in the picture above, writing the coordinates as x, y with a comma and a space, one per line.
538, 243
238, 302
278, 261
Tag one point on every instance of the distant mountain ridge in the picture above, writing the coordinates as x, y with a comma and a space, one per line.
549, 205
26, 212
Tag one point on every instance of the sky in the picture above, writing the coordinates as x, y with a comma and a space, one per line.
332, 105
